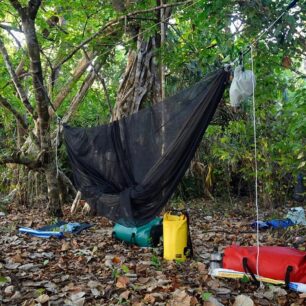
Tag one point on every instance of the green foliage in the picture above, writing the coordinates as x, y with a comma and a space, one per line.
245, 279
55, 221
280, 146
155, 261
117, 271
205, 296
202, 36
125, 269
3, 280
39, 291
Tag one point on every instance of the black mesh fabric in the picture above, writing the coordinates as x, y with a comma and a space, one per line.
128, 170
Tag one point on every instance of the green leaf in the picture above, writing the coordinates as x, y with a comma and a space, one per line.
226, 59
3, 280
205, 296
155, 261
125, 269
302, 164
115, 273
95, 249
245, 279
40, 291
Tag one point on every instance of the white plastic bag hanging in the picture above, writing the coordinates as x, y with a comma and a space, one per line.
242, 85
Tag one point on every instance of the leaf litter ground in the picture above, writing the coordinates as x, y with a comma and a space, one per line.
94, 269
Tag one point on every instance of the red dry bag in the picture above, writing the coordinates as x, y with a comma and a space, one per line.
280, 263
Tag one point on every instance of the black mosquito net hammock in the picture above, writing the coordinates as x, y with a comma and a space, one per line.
128, 170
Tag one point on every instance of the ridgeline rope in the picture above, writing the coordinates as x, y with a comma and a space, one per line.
255, 164
260, 35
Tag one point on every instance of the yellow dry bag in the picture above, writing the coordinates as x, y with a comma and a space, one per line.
175, 232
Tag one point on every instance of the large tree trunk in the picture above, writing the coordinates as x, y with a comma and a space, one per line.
141, 79
54, 204
41, 95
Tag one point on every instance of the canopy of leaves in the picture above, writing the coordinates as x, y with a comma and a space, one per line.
201, 35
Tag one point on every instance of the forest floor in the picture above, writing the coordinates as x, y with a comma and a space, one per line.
94, 269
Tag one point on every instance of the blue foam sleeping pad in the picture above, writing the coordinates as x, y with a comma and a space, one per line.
56, 230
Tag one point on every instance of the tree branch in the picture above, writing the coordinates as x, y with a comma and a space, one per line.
17, 6
113, 23
82, 92
16, 114
102, 82
20, 72
15, 158
63, 177
16, 40
85, 42
9, 28
21, 76
41, 95
19, 88
82, 65
33, 8
156, 8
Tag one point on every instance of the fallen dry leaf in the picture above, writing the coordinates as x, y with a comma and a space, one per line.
202, 267
143, 280
243, 300
95, 292
122, 282
302, 295
84, 275
223, 291
149, 299
212, 302
180, 298
9, 290
194, 301
125, 295
43, 298
65, 246
93, 284
30, 302
77, 299
17, 259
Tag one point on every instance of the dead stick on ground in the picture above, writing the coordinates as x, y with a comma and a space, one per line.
76, 202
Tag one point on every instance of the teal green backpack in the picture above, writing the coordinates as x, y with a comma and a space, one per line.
147, 235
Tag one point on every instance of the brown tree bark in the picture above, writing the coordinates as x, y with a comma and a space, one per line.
143, 77
76, 75
13, 74
28, 16
16, 114
140, 80
82, 91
